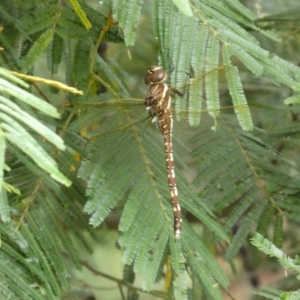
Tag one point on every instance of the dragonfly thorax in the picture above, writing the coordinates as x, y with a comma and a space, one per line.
155, 75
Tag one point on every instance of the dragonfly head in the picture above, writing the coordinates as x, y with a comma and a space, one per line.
155, 75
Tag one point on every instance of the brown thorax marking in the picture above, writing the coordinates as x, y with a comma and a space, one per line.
157, 99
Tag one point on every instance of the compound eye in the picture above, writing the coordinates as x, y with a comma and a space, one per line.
155, 75
158, 76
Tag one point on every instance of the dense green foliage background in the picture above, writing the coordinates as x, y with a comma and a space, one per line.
236, 64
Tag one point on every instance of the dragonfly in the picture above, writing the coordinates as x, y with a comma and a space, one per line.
158, 104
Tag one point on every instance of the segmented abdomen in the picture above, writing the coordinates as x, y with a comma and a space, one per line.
166, 125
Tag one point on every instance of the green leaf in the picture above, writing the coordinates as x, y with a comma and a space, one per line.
211, 81
295, 295
278, 234
292, 100
7, 74
184, 7
2, 156
15, 111
178, 269
268, 248
81, 14
237, 93
12, 90
20, 137
4, 206
37, 49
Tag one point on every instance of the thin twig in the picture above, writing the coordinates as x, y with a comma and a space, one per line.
120, 282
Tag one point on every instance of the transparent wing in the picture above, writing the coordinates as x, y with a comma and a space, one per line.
103, 117
194, 106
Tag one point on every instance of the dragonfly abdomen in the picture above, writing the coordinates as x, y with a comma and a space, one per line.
171, 178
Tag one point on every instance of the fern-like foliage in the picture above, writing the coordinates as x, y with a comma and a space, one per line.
114, 156
36, 208
32, 202
287, 263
